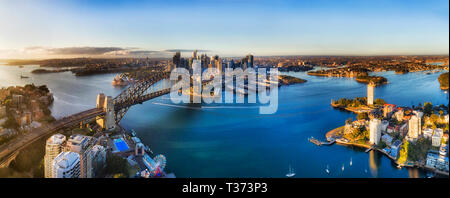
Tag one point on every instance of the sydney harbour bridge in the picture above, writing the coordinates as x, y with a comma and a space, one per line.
147, 84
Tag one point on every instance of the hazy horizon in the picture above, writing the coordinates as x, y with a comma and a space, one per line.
186, 54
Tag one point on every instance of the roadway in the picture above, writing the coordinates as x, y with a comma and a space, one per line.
18, 143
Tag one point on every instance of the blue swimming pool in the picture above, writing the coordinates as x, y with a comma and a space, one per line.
120, 144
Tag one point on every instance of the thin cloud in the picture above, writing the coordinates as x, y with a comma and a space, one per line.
83, 50
185, 50
52, 52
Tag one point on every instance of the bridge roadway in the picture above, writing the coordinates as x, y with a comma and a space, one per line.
10, 149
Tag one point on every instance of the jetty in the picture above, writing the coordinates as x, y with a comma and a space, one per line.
320, 143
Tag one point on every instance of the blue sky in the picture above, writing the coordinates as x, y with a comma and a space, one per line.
36, 28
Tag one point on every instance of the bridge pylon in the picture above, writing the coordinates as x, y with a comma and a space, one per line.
108, 121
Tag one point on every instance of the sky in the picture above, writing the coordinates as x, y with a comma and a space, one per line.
119, 28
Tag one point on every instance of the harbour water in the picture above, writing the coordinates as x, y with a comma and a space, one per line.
235, 140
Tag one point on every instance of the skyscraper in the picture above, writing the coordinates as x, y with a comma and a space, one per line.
218, 63
250, 61
176, 60
53, 147
375, 131
370, 88
66, 165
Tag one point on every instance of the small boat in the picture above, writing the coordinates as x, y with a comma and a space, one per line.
351, 162
342, 168
326, 170
291, 172
23, 76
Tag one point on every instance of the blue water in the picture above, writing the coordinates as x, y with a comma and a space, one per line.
239, 142
227, 142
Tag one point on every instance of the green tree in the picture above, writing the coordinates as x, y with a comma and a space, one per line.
362, 116
116, 165
379, 101
428, 108
443, 80
11, 123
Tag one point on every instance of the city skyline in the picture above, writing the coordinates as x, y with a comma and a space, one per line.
48, 29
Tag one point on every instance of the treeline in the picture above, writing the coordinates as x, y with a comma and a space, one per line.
378, 80
443, 80
357, 102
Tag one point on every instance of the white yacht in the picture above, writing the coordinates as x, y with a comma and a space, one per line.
291, 172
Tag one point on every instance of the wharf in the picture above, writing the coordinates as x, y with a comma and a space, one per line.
320, 143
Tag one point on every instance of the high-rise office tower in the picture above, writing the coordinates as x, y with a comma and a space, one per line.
250, 60
66, 165
218, 64
176, 60
53, 147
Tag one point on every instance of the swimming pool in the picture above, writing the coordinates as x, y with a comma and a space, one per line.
120, 144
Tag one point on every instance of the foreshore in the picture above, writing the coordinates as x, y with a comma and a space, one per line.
333, 135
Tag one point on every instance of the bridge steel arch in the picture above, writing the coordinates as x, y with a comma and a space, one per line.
139, 92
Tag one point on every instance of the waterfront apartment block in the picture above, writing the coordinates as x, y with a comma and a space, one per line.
375, 131
80, 144
66, 165
53, 147
91, 158
414, 129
